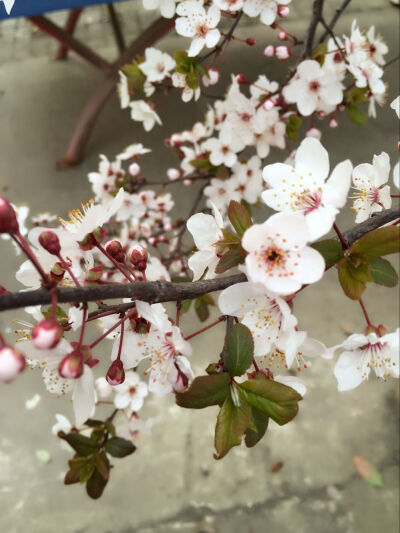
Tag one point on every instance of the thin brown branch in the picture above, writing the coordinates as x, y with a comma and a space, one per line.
163, 291
333, 20
315, 19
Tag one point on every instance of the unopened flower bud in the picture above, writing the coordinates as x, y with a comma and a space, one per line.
114, 248
283, 11
188, 182
333, 122
242, 80
282, 36
282, 52
116, 373
269, 51
250, 41
134, 169
50, 242
212, 78
173, 174
12, 363
369, 329
71, 367
8, 217
314, 132
153, 241
321, 114
46, 334
138, 256
87, 243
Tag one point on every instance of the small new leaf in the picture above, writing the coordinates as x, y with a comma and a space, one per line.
232, 423
257, 428
352, 287
367, 471
239, 217
96, 485
356, 115
233, 257
238, 350
292, 127
119, 447
205, 391
381, 241
83, 446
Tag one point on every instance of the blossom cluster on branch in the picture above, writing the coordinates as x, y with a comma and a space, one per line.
128, 236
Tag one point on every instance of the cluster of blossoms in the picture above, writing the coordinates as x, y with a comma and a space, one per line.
127, 235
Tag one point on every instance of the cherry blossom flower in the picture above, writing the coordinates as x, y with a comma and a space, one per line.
195, 22
156, 65
62, 424
223, 153
278, 256
179, 81
132, 151
265, 314
130, 393
246, 179
267, 9
123, 90
206, 231
371, 193
142, 112
313, 88
363, 353
220, 193
229, 5
139, 427
307, 189
166, 7
273, 133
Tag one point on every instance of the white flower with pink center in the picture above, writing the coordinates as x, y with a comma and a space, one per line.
223, 152
221, 192
363, 353
179, 81
306, 187
267, 9
313, 88
229, 5
195, 22
130, 393
157, 65
371, 193
278, 256
142, 112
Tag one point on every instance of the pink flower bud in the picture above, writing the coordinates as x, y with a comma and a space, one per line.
116, 373
241, 79
134, 169
282, 36
71, 367
282, 52
153, 241
321, 115
114, 248
138, 255
91, 239
268, 104
173, 174
50, 242
381, 330
369, 329
12, 363
314, 132
269, 51
188, 182
333, 122
212, 78
8, 217
46, 334
250, 41
283, 11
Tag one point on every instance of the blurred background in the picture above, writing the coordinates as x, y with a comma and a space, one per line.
301, 477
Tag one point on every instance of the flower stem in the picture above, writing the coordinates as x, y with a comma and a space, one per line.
104, 335
369, 323
113, 261
23, 244
69, 270
85, 308
121, 341
340, 236
220, 319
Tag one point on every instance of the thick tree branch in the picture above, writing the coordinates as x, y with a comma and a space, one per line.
315, 19
163, 291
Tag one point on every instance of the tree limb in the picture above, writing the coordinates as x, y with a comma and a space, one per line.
163, 291
315, 19
334, 19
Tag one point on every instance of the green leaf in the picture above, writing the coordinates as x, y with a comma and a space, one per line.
383, 273
205, 391
60, 313
258, 427
274, 399
136, 78
355, 95
110, 428
356, 115
292, 127
201, 307
185, 306
381, 241
238, 350
232, 258
359, 268
319, 53
94, 423
71, 477
232, 423
352, 287
84, 446
331, 250
193, 80
180, 56
86, 470
203, 163
239, 217
102, 464
228, 240
119, 447
96, 485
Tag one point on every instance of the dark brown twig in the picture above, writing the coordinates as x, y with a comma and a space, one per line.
334, 19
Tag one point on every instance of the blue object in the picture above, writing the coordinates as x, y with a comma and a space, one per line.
26, 8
